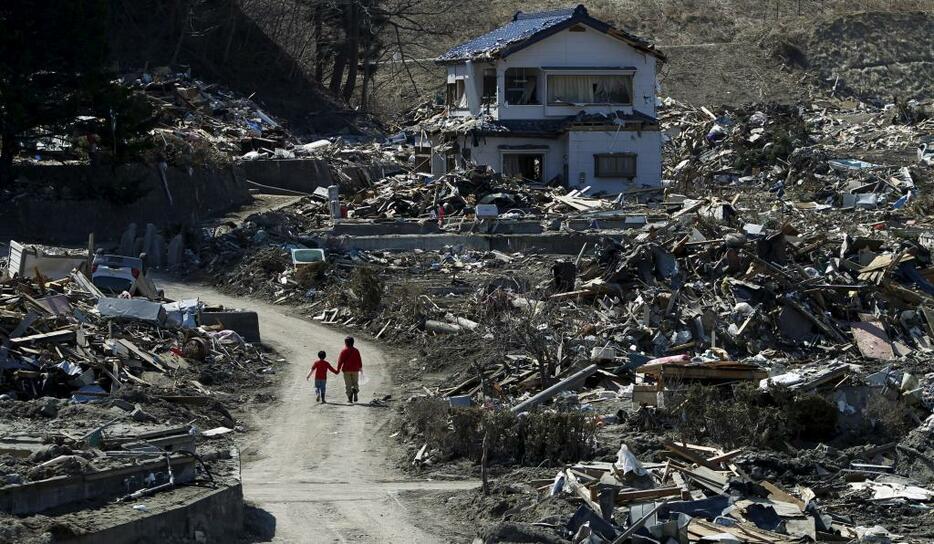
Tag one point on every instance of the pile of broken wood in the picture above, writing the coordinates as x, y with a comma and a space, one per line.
696, 495
65, 339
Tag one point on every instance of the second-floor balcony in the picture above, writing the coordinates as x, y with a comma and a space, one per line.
541, 92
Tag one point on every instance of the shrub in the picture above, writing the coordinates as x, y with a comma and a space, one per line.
533, 438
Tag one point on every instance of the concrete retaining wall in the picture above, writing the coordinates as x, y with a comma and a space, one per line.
295, 175
305, 175
216, 516
192, 195
59, 491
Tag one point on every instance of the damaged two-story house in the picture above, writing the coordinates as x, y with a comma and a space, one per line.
556, 96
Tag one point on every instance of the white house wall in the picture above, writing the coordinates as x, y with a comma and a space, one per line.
582, 146
579, 49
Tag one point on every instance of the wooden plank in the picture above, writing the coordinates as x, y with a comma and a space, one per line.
625, 497
686, 453
144, 355
744, 532
583, 492
85, 284
722, 458
61, 335
778, 494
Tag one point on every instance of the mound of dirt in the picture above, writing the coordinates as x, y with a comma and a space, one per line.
870, 55
717, 75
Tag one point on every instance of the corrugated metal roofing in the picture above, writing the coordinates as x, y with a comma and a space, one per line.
522, 27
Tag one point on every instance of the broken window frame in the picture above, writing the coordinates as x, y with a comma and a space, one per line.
524, 155
621, 171
489, 91
528, 92
594, 98
457, 94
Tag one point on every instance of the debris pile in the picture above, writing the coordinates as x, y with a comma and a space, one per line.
805, 151
181, 121
115, 400
66, 339
760, 304
198, 122
695, 493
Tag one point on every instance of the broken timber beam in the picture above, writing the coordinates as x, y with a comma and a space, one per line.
563, 385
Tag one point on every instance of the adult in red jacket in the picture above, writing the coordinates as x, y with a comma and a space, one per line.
350, 364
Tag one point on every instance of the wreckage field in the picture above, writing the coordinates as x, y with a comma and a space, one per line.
604, 291
743, 352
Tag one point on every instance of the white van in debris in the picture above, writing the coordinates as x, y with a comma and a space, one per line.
114, 274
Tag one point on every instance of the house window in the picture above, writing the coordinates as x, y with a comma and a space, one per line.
589, 89
521, 86
529, 166
489, 86
615, 165
457, 98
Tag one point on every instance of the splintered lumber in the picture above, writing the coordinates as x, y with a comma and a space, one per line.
744, 532
584, 493
714, 370
563, 385
685, 452
145, 356
625, 497
86, 284
420, 456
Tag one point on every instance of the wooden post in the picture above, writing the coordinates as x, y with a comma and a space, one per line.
90, 252
484, 458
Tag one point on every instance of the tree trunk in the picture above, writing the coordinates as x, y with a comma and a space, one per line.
353, 49
320, 52
340, 58
365, 88
232, 21
7, 151
183, 15
337, 76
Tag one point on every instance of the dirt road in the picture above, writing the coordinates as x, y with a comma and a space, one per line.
321, 470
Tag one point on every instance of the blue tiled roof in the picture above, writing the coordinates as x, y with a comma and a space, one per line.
529, 27
522, 27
